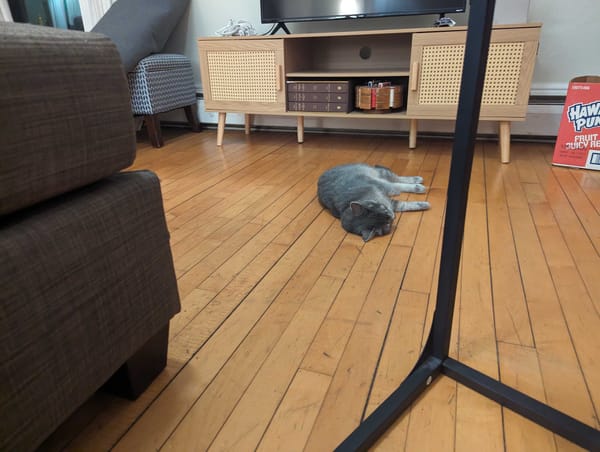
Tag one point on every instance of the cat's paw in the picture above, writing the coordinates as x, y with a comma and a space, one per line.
406, 206
420, 188
417, 180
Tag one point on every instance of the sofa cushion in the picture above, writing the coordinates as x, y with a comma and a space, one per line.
140, 27
65, 113
87, 278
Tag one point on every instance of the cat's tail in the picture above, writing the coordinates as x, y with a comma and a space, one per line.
405, 206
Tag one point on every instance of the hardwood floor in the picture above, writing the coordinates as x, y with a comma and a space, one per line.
292, 331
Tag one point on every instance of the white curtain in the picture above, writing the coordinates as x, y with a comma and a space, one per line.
92, 11
5, 15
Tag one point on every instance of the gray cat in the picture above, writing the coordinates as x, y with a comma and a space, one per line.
358, 194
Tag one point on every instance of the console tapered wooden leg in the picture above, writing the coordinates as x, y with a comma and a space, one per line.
300, 129
247, 123
221, 128
504, 141
412, 134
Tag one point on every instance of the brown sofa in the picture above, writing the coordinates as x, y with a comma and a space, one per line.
87, 286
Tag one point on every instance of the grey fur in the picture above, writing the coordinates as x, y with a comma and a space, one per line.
358, 194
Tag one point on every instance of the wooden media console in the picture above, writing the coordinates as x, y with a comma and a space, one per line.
249, 74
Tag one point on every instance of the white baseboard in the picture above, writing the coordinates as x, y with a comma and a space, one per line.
549, 89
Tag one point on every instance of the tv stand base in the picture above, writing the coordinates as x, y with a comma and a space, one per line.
281, 26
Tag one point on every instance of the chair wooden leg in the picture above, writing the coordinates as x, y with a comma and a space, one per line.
153, 126
192, 117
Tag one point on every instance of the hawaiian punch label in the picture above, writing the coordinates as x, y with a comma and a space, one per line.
584, 116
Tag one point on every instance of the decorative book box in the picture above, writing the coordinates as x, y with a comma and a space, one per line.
379, 99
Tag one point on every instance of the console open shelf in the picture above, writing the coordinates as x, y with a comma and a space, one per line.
249, 74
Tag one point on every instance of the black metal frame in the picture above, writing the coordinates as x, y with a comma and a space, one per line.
434, 359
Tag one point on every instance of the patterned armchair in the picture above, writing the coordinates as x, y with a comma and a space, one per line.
160, 83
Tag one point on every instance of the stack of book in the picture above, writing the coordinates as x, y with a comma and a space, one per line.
319, 96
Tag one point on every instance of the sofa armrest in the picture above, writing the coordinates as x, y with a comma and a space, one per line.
65, 113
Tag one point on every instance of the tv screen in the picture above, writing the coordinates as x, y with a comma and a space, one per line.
273, 11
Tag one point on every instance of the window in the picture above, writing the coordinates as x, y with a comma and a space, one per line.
52, 13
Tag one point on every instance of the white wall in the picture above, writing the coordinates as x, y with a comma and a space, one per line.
568, 45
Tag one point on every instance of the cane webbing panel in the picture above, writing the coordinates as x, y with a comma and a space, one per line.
441, 73
247, 76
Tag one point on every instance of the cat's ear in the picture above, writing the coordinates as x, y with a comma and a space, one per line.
367, 234
357, 208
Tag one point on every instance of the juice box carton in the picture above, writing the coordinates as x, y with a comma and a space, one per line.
578, 139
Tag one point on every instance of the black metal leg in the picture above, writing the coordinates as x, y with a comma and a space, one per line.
435, 354
577, 432
386, 413
469, 105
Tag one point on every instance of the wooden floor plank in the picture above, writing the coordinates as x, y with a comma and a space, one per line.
589, 181
409, 222
344, 405
332, 338
296, 415
400, 354
433, 418
182, 394
292, 331
586, 211
576, 303
585, 256
519, 369
423, 260
478, 420
558, 359
402, 346
247, 423
510, 308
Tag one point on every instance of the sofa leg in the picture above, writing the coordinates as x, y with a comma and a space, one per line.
153, 126
192, 117
133, 377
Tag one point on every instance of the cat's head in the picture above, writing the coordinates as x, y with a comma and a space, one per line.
368, 219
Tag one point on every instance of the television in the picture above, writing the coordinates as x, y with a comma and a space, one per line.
281, 11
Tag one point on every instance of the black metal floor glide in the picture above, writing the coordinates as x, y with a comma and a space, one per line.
434, 360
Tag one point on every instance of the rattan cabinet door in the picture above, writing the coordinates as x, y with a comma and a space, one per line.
436, 70
242, 75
